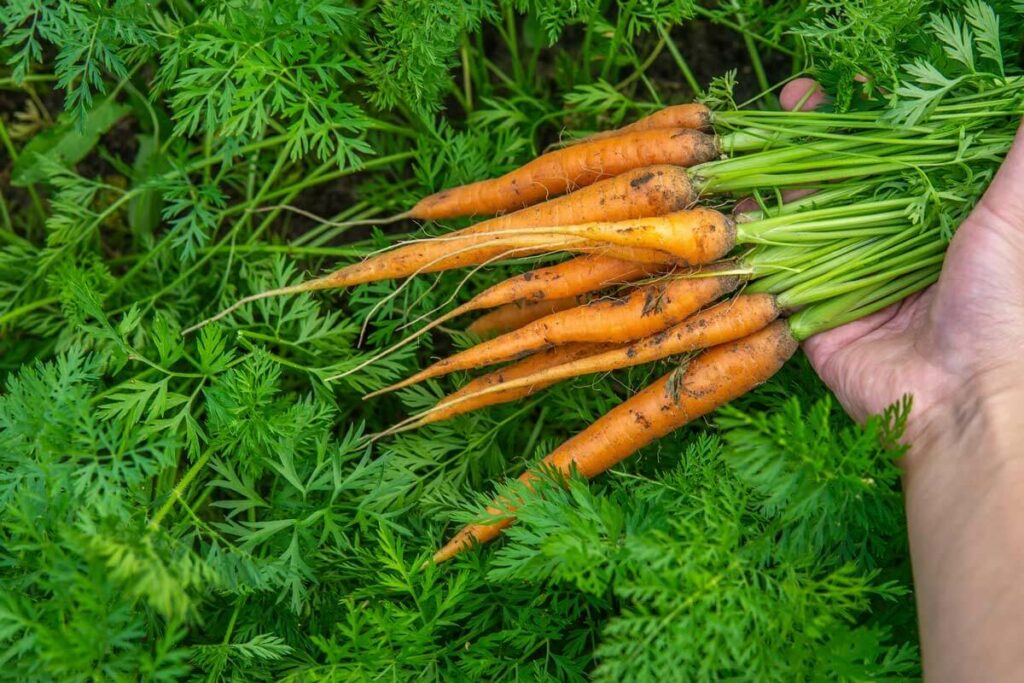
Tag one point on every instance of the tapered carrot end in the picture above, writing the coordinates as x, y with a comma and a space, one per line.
394, 347
311, 285
470, 535
405, 425
336, 224
461, 541
409, 381
376, 221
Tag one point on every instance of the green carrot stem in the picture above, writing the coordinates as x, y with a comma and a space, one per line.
803, 179
832, 313
847, 260
750, 140
779, 268
842, 211
815, 231
831, 286
904, 137
820, 198
856, 285
770, 157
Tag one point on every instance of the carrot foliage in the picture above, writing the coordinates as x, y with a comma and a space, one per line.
206, 507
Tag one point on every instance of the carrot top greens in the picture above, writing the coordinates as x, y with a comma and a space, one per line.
208, 508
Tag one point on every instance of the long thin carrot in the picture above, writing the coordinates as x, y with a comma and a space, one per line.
514, 315
577, 276
688, 237
693, 236
565, 169
532, 295
693, 115
709, 381
639, 193
531, 365
642, 312
727, 321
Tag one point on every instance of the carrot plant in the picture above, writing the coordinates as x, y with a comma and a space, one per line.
209, 507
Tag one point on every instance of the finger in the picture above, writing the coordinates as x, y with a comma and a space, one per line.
805, 90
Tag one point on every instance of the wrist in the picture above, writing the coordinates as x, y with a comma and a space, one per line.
981, 421
964, 474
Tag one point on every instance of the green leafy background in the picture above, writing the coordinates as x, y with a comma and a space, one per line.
205, 508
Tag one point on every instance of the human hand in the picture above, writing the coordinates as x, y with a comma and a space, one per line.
956, 347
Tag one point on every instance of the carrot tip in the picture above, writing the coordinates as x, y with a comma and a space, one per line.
390, 431
337, 224
308, 286
377, 436
388, 389
450, 549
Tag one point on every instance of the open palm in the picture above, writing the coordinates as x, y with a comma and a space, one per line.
966, 328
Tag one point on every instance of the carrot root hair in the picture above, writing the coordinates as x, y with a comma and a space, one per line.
394, 218
302, 287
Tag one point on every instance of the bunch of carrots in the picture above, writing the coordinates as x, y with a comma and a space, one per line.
663, 265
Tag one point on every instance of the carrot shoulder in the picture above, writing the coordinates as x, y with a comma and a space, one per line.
711, 380
566, 169
693, 115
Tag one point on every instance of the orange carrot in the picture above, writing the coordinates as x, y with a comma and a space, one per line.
531, 365
576, 276
565, 169
709, 381
526, 297
532, 295
693, 236
538, 362
642, 192
690, 237
724, 322
642, 312
514, 315
695, 116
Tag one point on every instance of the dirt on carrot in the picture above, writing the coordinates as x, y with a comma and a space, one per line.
724, 322
639, 313
567, 169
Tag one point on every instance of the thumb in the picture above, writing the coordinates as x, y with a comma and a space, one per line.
1004, 198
